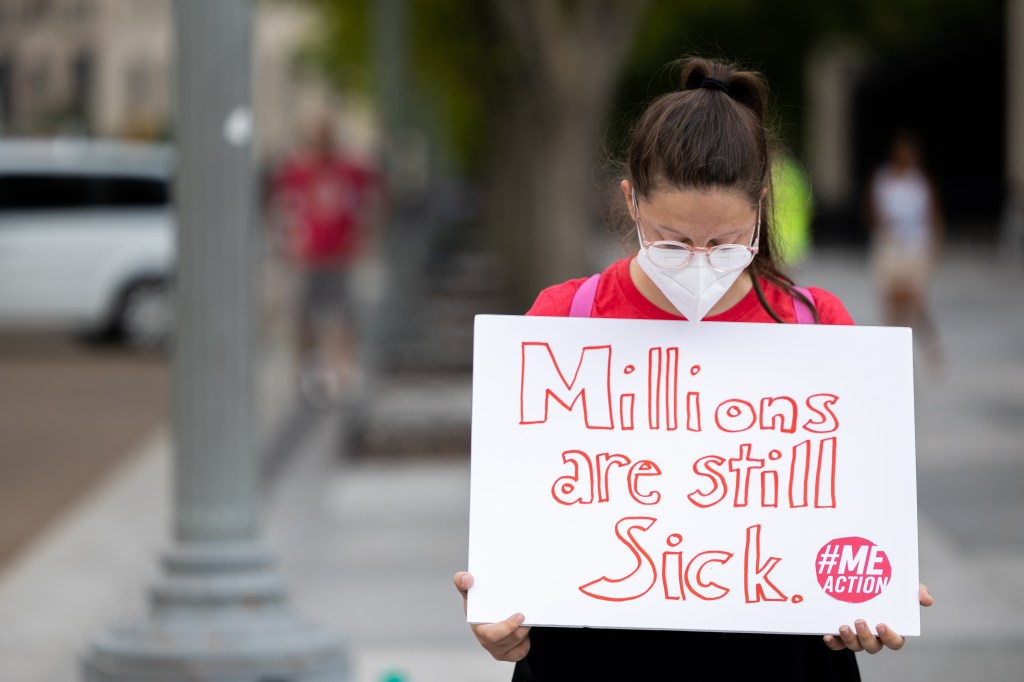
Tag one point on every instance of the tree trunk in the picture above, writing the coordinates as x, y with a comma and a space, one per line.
546, 136
560, 169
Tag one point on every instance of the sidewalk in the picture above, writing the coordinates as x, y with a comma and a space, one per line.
970, 430
368, 548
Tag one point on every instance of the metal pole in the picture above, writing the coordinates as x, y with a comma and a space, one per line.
389, 27
218, 612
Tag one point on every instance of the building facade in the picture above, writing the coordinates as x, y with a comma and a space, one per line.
104, 68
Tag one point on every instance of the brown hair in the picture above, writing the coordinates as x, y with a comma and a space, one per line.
712, 134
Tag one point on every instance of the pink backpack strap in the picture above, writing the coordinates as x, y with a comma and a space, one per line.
583, 299
804, 315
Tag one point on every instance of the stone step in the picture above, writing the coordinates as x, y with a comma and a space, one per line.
470, 273
437, 332
417, 415
420, 404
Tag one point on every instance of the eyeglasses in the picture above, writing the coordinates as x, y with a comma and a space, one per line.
723, 258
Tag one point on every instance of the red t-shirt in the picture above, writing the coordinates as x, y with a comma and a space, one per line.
325, 199
617, 296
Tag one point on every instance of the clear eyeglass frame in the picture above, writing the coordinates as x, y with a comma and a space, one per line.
674, 255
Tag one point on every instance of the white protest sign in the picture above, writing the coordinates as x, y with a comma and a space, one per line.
713, 476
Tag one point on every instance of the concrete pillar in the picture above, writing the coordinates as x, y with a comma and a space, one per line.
406, 160
1012, 232
832, 72
218, 612
390, 56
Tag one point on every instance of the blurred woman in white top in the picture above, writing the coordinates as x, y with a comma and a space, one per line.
906, 223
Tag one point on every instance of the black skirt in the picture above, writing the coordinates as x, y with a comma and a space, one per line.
563, 654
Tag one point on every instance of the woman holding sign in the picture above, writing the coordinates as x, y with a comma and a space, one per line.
698, 189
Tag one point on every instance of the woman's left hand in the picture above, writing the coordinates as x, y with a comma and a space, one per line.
859, 638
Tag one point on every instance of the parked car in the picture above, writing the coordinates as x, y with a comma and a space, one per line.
87, 238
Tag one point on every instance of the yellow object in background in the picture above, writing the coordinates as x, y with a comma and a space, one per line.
793, 207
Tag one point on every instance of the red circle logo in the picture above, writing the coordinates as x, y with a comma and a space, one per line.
853, 569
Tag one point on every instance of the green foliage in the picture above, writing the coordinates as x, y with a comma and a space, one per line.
450, 55
905, 25
340, 47
775, 37
453, 51
457, 56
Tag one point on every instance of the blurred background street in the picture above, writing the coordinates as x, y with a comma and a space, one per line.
79, 410
367, 541
414, 164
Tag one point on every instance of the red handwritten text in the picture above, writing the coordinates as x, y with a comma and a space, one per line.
694, 579
590, 479
543, 381
795, 471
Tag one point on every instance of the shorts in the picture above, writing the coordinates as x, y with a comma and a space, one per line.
326, 295
899, 267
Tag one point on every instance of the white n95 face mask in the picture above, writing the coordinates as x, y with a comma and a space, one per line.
693, 289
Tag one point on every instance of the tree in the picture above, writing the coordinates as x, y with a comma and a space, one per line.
523, 86
560, 78
521, 89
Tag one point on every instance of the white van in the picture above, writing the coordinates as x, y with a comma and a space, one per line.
86, 238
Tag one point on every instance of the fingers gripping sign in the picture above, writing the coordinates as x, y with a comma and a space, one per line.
507, 640
860, 637
463, 581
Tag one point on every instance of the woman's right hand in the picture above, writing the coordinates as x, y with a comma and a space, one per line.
508, 640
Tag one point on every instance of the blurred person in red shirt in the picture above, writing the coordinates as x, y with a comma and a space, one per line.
323, 206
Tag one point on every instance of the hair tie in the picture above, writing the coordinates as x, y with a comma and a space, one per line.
715, 84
